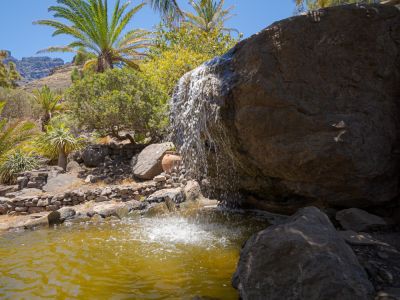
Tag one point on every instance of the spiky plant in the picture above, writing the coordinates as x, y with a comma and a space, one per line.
209, 15
59, 141
100, 32
14, 163
14, 133
49, 103
8, 72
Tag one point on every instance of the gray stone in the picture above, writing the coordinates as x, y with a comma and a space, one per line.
160, 178
360, 239
148, 164
61, 182
174, 194
303, 258
101, 199
359, 220
73, 167
94, 155
66, 213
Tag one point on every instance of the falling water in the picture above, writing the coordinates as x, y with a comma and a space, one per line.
197, 129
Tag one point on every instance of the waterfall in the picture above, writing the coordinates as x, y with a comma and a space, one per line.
197, 130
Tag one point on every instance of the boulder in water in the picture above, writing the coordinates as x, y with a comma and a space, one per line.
304, 258
306, 111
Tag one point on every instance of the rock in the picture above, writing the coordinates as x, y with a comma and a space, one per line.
101, 199
94, 155
388, 294
66, 213
170, 162
357, 239
192, 191
295, 115
174, 194
32, 68
61, 182
73, 167
160, 178
359, 220
303, 258
157, 209
89, 179
49, 219
148, 163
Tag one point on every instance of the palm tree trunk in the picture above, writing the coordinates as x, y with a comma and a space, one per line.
45, 121
62, 159
104, 62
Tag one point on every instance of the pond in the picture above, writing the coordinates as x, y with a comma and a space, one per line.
170, 257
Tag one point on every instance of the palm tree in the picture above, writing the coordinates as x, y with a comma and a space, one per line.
209, 15
8, 73
99, 32
59, 141
49, 103
169, 9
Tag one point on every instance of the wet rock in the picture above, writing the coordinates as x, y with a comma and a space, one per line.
354, 238
359, 220
192, 191
280, 114
174, 194
157, 209
160, 178
66, 213
388, 294
303, 258
148, 163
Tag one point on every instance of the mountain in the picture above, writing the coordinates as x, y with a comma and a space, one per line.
32, 68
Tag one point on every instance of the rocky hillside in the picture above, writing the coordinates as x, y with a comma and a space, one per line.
32, 68
58, 80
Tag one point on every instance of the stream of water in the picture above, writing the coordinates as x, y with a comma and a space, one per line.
173, 257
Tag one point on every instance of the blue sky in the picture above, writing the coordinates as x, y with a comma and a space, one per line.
24, 39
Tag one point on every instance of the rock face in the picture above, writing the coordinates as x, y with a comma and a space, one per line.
308, 110
94, 155
148, 164
304, 258
32, 68
359, 220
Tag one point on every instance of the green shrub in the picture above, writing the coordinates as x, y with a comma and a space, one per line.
19, 104
14, 163
179, 50
120, 102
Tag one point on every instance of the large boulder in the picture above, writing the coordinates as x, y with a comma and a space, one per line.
306, 110
94, 155
304, 258
148, 163
359, 220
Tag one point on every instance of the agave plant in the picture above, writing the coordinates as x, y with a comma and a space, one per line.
99, 32
49, 103
209, 15
14, 163
59, 141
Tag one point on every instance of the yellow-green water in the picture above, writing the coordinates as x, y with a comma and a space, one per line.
172, 257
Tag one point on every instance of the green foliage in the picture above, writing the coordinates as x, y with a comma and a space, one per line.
179, 50
82, 56
8, 73
19, 104
209, 15
99, 31
169, 9
14, 163
117, 101
315, 4
14, 133
49, 103
56, 139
